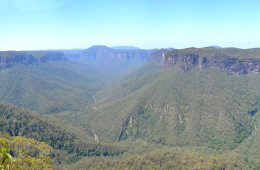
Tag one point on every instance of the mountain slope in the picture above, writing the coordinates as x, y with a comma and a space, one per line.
249, 148
51, 86
192, 108
18, 121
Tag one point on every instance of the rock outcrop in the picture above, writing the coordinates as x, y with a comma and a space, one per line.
221, 59
10, 58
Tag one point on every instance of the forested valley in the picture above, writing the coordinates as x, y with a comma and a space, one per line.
104, 108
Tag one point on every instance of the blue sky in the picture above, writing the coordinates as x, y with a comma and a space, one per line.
67, 24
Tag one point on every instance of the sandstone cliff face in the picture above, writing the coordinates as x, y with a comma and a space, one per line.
229, 63
10, 58
235, 66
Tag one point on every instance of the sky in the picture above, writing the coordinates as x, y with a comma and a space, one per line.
147, 24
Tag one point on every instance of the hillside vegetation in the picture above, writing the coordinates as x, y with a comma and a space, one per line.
177, 158
51, 87
167, 108
27, 153
17, 121
182, 109
195, 107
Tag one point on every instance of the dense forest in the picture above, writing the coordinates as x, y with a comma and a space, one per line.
181, 109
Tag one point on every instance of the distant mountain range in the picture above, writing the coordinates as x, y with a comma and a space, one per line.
217, 47
115, 59
126, 48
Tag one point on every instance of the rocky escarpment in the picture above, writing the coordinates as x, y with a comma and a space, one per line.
10, 58
233, 62
104, 51
108, 58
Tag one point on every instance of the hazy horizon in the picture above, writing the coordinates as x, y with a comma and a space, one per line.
53, 49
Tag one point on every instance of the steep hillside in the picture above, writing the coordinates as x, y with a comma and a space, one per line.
110, 58
51, 86
183, 104
18, 121
198, 107
249, 148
